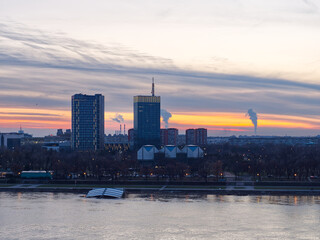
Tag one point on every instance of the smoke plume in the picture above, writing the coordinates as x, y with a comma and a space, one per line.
165, 117
118, 118
254, 119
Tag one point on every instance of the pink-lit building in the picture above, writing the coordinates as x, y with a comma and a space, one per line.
169, 136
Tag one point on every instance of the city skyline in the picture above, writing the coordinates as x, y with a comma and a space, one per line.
210, 68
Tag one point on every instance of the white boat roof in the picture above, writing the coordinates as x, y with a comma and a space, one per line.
106, 192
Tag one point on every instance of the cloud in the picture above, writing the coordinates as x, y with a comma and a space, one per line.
55, 50
30, 114
312, 5
47, 68
33, 101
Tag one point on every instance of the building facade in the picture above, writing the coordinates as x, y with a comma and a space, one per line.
87, 122
196, 136
131, 136
190, 136
146, 153
201, 136
146, 120
169, 136
10, 140
181, 139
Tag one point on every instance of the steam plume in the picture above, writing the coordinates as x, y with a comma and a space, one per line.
118, 118
254, 119
165, 117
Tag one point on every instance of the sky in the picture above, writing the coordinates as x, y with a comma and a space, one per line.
212, 61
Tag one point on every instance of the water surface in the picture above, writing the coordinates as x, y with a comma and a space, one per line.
154, 216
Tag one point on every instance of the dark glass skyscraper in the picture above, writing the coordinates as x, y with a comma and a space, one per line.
87, 122
147, 120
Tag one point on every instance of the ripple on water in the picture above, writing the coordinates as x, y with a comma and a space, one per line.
158, 216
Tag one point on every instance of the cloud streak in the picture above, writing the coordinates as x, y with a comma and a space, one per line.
42, 70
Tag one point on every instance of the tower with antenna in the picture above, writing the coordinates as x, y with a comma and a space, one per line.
20, 131
152, 91
147, 119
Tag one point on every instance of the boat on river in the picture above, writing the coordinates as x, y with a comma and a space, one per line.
106, 193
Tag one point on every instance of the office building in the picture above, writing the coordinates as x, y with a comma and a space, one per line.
147, 119
10, 140
87, 122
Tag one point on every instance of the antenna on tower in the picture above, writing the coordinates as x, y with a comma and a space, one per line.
152, 91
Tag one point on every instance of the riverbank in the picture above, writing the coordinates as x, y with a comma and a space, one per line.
171, 189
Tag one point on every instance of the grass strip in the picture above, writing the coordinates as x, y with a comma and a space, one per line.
128, 186
287, 187
96, 186
195, 187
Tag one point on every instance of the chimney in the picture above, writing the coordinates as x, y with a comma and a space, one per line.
120, 129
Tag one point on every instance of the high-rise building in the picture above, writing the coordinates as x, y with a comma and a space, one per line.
201, 136
87, 122
147, 119
169, 136
59, 132
190, 136
196, 136
181, 140
131, 136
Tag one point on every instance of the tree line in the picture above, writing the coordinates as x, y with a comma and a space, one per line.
256, 161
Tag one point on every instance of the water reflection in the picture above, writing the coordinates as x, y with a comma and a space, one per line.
277, 200
158, 216
291, 200
167, 197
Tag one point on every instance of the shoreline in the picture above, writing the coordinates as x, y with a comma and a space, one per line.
184, 191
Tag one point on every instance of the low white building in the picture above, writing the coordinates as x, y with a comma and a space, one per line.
10, 140
57, 146
193, 151
146, 153
170, 151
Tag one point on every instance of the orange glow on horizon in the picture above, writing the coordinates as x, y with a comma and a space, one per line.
43, 118
231, 121
223, 119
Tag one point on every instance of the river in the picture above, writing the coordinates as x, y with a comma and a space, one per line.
158, 216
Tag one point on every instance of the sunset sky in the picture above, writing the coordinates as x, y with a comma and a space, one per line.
212, 60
